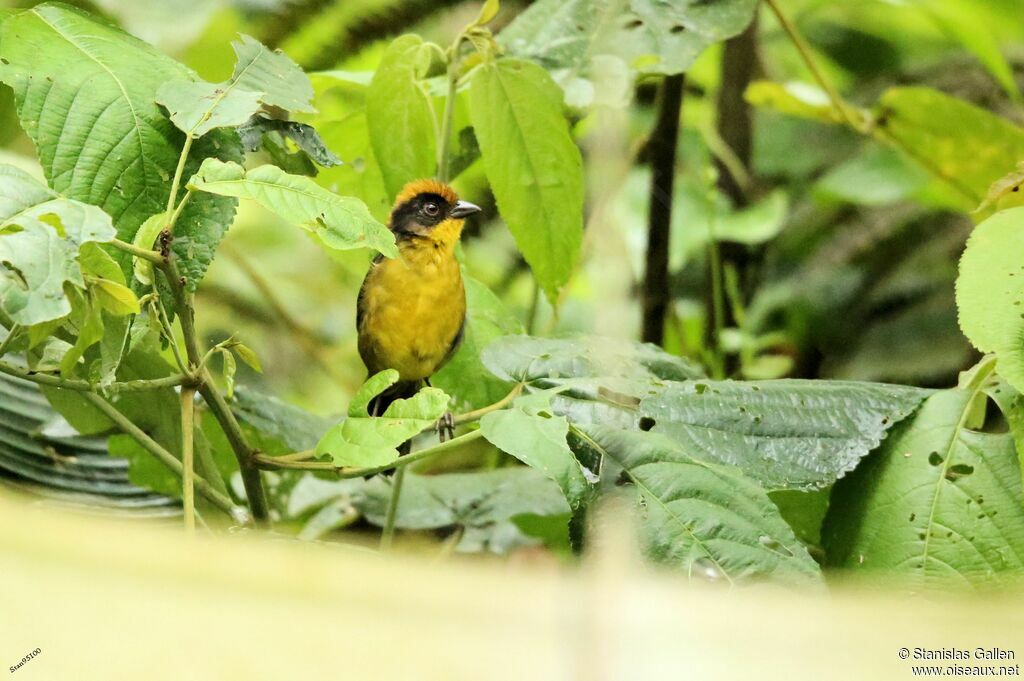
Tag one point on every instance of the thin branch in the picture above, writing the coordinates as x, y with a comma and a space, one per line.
476, 414
245, 454
219, 500
84, 386
444, 143
187, 463
804, 49
152, 256
12, 334
274, 462
176, 182
388, 533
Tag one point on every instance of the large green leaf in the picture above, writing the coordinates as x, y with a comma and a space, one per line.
786, 434
400, 117
362, 440
340, 222
708, 520
939, 504
990, 291
85, 94
529, 432
533, 165
652, 36
528, 358
968, 147
261, 78
40, 237
465, 377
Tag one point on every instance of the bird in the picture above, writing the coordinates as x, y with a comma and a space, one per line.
411, 310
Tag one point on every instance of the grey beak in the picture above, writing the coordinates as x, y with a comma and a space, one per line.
464, 208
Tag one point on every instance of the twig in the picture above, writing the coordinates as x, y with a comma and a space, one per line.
276, 462
85, 386
187, 463
219, 500
476, 414
388, 534
444, 143
144, 253
805, 53
12, 333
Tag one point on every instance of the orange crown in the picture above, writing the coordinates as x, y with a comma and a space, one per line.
426, 186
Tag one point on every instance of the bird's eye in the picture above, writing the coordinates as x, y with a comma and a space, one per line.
431, 209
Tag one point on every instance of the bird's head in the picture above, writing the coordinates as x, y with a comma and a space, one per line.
429, 209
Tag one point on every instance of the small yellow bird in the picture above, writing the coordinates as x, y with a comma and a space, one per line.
412, 309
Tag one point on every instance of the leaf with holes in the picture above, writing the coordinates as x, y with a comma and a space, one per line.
261, 79
786, 434
708, 520
939, 504
650, 36
40, 237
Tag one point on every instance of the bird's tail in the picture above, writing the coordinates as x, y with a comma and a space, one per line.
399, 391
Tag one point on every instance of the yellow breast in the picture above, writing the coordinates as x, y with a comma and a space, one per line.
412, 309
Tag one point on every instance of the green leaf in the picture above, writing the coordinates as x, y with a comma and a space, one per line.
532, 164
363, 441
230, 367
537, 438
261, 78
795, 98
373, 386
484, 504
786, 434
969, 147
146, 238
283, 83
990, 291
41, 234
246, 354
115, 298
650, 36
528, 358
939, 504
708, 520
340, 222
464, 377
198, 107
400, 117
963, 21
85, 93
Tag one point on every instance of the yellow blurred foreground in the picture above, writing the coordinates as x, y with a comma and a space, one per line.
107, 600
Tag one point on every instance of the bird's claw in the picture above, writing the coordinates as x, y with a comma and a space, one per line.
445, 427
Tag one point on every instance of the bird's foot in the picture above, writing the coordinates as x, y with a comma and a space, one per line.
445, 427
